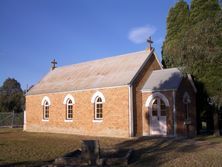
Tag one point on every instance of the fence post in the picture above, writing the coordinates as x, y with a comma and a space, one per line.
24, 123
13, 115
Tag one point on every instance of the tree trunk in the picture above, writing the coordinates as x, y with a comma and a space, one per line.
216, 124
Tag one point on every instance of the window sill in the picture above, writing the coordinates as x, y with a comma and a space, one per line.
68, 120
97, 121
45, 120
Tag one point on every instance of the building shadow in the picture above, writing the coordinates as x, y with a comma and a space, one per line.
154, 151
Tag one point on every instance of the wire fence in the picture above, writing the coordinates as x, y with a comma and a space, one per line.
11, 119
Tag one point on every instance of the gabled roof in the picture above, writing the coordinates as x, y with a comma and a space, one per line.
165, 79
107, 72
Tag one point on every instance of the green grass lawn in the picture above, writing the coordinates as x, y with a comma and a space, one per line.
25, 148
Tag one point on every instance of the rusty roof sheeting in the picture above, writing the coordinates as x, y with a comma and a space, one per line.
107, 72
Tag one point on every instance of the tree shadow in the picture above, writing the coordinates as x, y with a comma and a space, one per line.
153, 151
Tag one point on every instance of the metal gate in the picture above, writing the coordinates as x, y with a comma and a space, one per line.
11, 119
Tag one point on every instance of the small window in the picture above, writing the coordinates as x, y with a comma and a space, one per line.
46, 110
186, 101
98, 108
158, 107
69, 109
154, 108
162, 108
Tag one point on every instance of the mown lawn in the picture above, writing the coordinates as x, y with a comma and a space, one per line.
23, 148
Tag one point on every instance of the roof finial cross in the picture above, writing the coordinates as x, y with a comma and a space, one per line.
150, 42
53, 64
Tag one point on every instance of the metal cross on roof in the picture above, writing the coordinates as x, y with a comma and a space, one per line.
53, 64
149, 41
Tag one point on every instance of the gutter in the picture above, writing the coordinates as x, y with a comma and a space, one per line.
24, 121
131, 130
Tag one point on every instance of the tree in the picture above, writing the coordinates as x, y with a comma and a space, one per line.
198, 47
177, 22
11, 96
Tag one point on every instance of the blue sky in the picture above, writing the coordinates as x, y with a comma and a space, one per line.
33, 32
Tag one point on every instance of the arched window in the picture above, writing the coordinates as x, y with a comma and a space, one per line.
45, 110
162, 108
98, 114
154, 108
156, 95
69, 109
186, 102
158, 107
98, 99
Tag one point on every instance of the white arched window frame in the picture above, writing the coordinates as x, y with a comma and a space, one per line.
46, 110
98, 99
69, 109
157, 102
98, 94
68, 96
45, 103
186, 102
159, 95
69, 101
98, 113
45, 98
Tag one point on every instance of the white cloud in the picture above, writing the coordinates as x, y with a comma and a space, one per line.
140, 34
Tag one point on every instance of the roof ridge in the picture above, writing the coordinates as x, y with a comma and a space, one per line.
110, 57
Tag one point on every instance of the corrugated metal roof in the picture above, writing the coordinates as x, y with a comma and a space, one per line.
165, 79
107, 72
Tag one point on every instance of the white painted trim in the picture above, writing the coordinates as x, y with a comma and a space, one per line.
69, 96
131, 131
192, 83
45, 120
97, 120
68, 120
45, 98
24, 121
154, 95
81, 90
98, 94
174, 114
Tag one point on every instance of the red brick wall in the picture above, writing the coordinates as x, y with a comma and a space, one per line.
115, 113
180, 108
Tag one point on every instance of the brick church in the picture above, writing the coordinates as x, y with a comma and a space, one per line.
121, 96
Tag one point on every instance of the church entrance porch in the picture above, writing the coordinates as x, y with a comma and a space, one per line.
155, 114
158, 124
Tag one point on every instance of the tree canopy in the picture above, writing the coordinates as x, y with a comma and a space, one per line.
194, 42
11, 96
